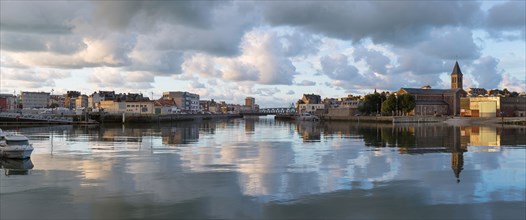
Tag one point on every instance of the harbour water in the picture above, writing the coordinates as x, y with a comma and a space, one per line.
259, 168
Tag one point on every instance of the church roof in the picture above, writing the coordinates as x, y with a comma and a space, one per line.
430, 91
456, 70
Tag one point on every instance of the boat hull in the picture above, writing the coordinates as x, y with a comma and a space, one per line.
18, 152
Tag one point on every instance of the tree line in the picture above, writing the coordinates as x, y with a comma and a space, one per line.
388, 104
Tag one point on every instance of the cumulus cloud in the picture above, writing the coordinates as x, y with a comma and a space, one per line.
262, 60
116, 79
266, 91
306, 83
29, 78
486, 73
513, 83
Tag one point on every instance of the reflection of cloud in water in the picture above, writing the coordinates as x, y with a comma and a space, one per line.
233, 175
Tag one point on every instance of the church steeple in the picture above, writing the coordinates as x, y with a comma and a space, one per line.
456, 77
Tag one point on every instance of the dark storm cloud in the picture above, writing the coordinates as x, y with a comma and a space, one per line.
376, 60
451, 43
509, 16
392, 22
121, 14
212, 27
298, 43
418, 63
31, 42
338, 68
39, 16
161, 63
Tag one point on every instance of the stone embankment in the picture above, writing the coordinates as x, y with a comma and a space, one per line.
457, 121
386, 119
107, 118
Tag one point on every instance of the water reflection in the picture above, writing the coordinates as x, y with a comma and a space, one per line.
261, 168
16, 166
309, 131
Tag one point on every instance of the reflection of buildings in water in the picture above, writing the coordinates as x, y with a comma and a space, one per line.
121, 135
180, 135
309, 131
250, 124
16, 166
480, 136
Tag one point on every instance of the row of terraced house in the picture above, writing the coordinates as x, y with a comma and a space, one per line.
172, 102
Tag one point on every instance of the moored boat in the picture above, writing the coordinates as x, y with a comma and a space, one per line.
14, 146
306, 116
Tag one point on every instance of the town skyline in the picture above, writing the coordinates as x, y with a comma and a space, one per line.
268, 50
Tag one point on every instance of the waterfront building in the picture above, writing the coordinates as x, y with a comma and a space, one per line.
70, 99
309, 103
34, 99
95, 98
474, 92
133, 107
493, 106
186, 101
81, 101
140, 107
250, 102
310, 108
57, 99
7, 102
166, 106
438, 101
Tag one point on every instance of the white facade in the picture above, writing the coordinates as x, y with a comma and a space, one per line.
185, 101
34, 99
311, 108
94, 100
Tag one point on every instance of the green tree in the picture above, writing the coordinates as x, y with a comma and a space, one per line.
406, 103
372, 103
53, 105
389, 105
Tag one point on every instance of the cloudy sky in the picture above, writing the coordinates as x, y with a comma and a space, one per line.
272, 50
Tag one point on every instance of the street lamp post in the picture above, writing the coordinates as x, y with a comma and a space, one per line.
52, 106
396, 104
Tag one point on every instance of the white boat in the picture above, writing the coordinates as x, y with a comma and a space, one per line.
306, 116
14, 146
16, 166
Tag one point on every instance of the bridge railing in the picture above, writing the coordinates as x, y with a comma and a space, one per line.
277, 110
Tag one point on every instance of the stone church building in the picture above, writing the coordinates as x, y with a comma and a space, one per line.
438, 101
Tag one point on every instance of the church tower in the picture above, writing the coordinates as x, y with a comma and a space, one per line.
456, 77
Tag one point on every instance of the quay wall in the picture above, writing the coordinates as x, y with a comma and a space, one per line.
386, 119
135, 118
118, 118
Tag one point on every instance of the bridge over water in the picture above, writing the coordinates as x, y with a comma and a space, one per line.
271, 111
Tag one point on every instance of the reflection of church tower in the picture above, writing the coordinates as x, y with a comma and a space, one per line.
457, 163
456, 77
457, 153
